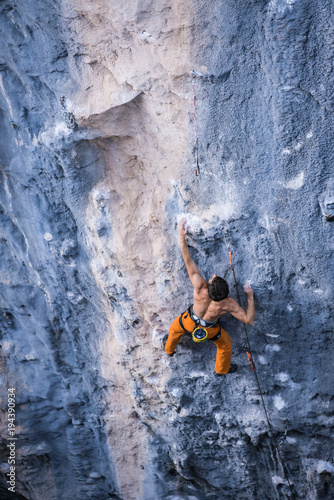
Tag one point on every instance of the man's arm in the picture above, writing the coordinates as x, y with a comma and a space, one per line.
239, 313
195, 277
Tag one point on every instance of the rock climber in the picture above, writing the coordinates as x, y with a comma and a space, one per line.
211, 301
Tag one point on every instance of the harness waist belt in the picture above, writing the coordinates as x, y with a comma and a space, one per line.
182, 325
200, 321
210, 325
216, 337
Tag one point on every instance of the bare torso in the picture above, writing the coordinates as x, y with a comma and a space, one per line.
208, 309
204, 306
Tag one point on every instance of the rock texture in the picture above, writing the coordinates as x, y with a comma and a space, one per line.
97, 163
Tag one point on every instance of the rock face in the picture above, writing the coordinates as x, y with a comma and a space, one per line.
97, 163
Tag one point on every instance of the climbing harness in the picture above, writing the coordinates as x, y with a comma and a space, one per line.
253, 368
197, 172
200, 332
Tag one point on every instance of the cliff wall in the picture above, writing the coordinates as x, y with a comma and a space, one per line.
97, 164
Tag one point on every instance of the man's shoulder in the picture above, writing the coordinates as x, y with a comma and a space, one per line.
203, 290
229, 304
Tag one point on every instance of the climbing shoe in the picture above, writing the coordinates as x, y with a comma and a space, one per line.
233, 368
164, 340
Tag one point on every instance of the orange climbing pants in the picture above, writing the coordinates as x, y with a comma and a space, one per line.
224, 343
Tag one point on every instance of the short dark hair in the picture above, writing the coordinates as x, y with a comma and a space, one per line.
218, 289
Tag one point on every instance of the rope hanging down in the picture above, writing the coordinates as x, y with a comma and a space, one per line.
249, 352
253, 368
197, 172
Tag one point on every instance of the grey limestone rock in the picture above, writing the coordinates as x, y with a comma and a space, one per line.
96, 166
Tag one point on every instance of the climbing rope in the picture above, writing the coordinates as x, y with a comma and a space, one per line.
249, 352
197, 172
253, 368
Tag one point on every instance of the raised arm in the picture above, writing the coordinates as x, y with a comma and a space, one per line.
240, 313
195, 277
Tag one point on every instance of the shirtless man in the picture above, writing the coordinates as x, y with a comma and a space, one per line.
211, 301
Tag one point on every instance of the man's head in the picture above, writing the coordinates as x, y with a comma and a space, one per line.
217, 288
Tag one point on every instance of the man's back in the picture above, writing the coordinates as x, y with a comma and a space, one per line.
204, 306
208, 309
211, 301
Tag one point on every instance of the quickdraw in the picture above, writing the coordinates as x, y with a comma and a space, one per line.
252, 364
